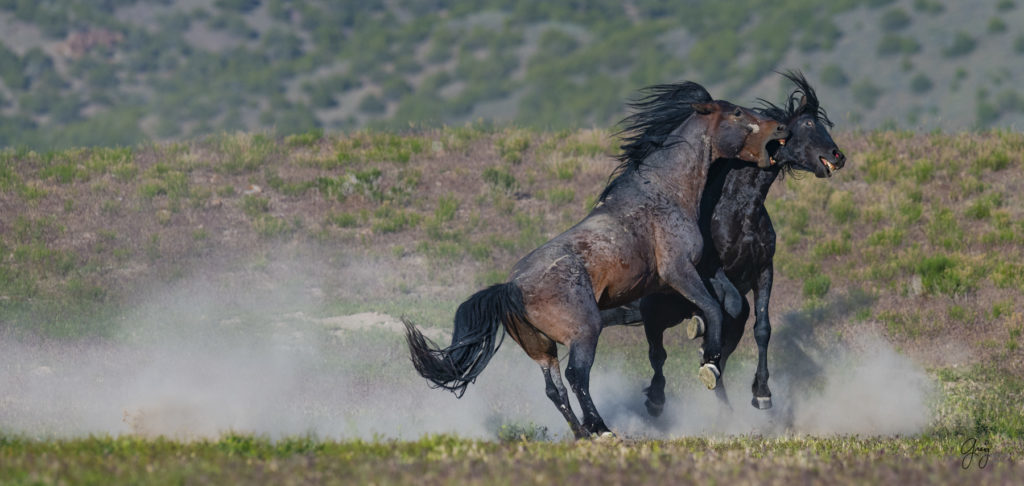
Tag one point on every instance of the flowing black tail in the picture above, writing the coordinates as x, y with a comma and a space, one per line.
478, 322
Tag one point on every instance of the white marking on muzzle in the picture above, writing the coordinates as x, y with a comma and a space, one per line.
754, 128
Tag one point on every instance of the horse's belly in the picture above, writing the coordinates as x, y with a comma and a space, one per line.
625, 287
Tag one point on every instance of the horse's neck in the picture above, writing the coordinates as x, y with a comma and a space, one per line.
680, 172
746, 182
734, 187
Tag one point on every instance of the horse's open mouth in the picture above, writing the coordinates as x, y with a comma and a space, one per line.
829, 166
773, 148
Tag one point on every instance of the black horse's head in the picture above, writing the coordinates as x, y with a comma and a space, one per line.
810, 147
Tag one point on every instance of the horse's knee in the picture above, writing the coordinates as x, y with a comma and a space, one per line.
553, 393
657, 355
762, 333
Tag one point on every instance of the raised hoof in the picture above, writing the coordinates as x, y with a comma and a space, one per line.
695, 328
654, 409
761, 403
709, 375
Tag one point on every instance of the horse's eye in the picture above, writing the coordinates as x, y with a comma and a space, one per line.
808, 123
737, 113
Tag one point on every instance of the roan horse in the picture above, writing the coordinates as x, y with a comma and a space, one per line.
641, 237
740, 239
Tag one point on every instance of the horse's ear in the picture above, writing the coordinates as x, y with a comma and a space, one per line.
803, 103
704, 108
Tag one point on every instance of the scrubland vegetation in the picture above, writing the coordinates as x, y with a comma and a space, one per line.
77, 73
919, 239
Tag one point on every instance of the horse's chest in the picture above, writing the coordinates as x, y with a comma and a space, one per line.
744, 251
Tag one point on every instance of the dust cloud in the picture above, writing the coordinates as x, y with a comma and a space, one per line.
201, 359
865, 389
251, 354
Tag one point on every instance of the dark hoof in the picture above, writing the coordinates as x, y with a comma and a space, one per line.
655, 402
654, 409
761, 403
709, 375
579, 432
695, 328
597, 430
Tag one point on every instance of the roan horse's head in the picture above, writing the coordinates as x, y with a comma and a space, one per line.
810, 147
741, 133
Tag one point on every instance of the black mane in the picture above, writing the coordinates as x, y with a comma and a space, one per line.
663, 108
793, 108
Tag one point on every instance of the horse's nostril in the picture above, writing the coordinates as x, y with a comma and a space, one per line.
780, 128
840, 158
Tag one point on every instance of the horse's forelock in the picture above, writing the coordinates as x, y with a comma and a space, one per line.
804, 91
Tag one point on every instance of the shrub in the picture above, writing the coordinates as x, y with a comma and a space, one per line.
832, 247
996, 25
891, 238
943, 230
512, 147
962, 45
253, 206
922, 170
920, 84
982, 207
269, 226
817, 286
390, 219
945, 275
833, 75
842, 207
446, 208
866, 93
995, 160
560, 196
895, 19
933, 7
371, 104
344, 220
499, 177
892, 45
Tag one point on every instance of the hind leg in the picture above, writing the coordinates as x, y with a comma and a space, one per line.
660, 312
556, 392
581, 359
656, 353
545, 352
559, 302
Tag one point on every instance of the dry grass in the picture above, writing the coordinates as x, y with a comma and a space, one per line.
924, 231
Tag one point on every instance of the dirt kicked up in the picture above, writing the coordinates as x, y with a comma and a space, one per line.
191, 366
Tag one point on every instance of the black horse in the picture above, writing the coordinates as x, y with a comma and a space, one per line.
640, 238
739, 239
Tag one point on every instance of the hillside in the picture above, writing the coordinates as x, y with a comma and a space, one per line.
117, 72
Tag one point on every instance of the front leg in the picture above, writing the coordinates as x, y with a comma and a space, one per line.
682, 275
727, 293
762, 333
660, 311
